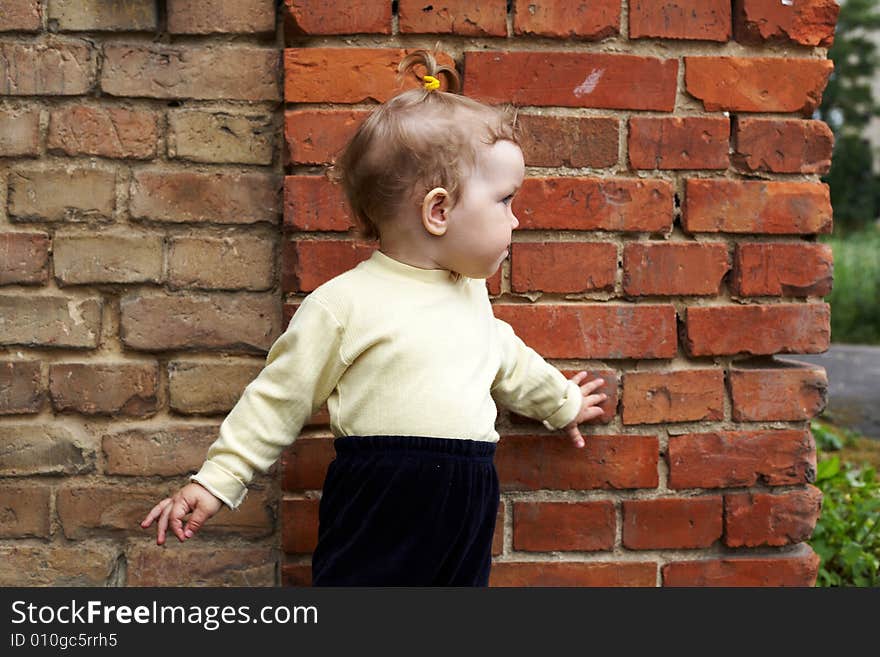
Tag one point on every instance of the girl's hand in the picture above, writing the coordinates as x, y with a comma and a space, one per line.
589, 407
191, 498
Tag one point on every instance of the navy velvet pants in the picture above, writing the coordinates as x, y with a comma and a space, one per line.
407, 511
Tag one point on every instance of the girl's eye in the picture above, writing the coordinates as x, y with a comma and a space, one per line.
507, 199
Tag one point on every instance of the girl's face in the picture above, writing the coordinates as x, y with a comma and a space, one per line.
480, 225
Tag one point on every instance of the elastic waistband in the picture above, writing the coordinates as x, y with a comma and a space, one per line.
427, 445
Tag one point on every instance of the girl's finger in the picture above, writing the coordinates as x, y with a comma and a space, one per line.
154, 513
163, 523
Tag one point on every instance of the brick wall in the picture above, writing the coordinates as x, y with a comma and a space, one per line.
667, 243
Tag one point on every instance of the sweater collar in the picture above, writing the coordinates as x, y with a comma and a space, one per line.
382, 263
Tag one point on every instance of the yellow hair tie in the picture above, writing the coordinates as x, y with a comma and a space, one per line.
431, 82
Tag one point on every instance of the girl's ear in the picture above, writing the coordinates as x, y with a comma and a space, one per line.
434, 211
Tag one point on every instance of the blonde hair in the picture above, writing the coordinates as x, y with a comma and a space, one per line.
415, 141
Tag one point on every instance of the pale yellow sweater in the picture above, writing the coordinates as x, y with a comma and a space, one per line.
394, 350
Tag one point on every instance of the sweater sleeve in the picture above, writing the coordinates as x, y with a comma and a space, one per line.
302, 367
530, 386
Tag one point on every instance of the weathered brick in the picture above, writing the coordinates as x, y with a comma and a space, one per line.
182, 565
346, 75
223, 198
208, 387
213, 136
805, 22
704, 20
571, 79
19, 130
96, 15
673, 396
800, 328
551, 462
563, 266
594, 330
184, 71
156, 321
782, 569
314, 203
24, 258
790, 392
755, 519
674, 268
317, 17
751, 84
693, 522
575, 203
220, 16
62, 195
114, 132
240, 262
570, 141
317, 136
128, 389
573, 573
678, 142
74, 565
782, 145
45, 448
560, 19
21, 387
741, 458
460, 17
21, 15
756, 206
796, 269
162, 450
306, 264
54, 67
127, 256
24, 510
549, 526
50, 321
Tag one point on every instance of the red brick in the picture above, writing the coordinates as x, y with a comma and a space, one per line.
493, 283
704, 20
573, 573
296, 574
314, 203
171, 450
317, 17
609, 406
679, 142
571, 79
755, 519
54, 67
24, 258
220, 16
569, 141
790, 392
21, 387
51, 321
796, 269
21, 15
782, 145
783, 569
805, 22
751, 84
693, 522
741, 458
560, 19
24, 511
551, 462
166, 71
548, 526
223, 198
563, 266
756, 206
673, 396
113, 132
575, 203
19, 131
317, 136
674, 268
347, 75
594, 330
461, 17
203, 565
299, 525
62, 194
128, 389
306, 264
304, 464
801, 328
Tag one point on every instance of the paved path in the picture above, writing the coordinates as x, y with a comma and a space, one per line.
853, 385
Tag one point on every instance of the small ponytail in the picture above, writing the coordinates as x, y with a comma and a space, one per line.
428, 60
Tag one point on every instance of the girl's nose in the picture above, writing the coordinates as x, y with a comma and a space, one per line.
515, 221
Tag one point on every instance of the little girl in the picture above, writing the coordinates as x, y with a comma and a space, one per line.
407, 353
